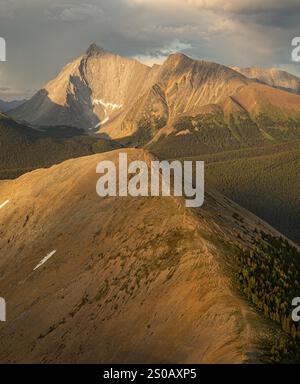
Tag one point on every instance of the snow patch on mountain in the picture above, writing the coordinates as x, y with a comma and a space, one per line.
108, 108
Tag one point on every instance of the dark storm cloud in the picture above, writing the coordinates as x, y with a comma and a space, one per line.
43, 35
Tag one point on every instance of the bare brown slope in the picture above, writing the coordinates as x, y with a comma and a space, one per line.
259, 98
133, 280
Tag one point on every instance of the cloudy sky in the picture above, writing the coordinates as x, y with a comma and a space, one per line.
43, 35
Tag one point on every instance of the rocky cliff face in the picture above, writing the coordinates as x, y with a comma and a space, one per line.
87, 92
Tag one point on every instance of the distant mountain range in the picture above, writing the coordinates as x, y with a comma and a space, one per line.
6, 106
272, 76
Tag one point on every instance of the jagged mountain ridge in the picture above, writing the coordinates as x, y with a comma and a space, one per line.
274, 77
6, 106
121, 96
101, 85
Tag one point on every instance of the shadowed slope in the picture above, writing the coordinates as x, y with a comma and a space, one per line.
23, 149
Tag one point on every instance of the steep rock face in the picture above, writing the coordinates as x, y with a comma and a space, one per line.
87, 92
49, 106
272, 76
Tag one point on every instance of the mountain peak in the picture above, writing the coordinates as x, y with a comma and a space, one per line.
175, 59
179, 56
95, 50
